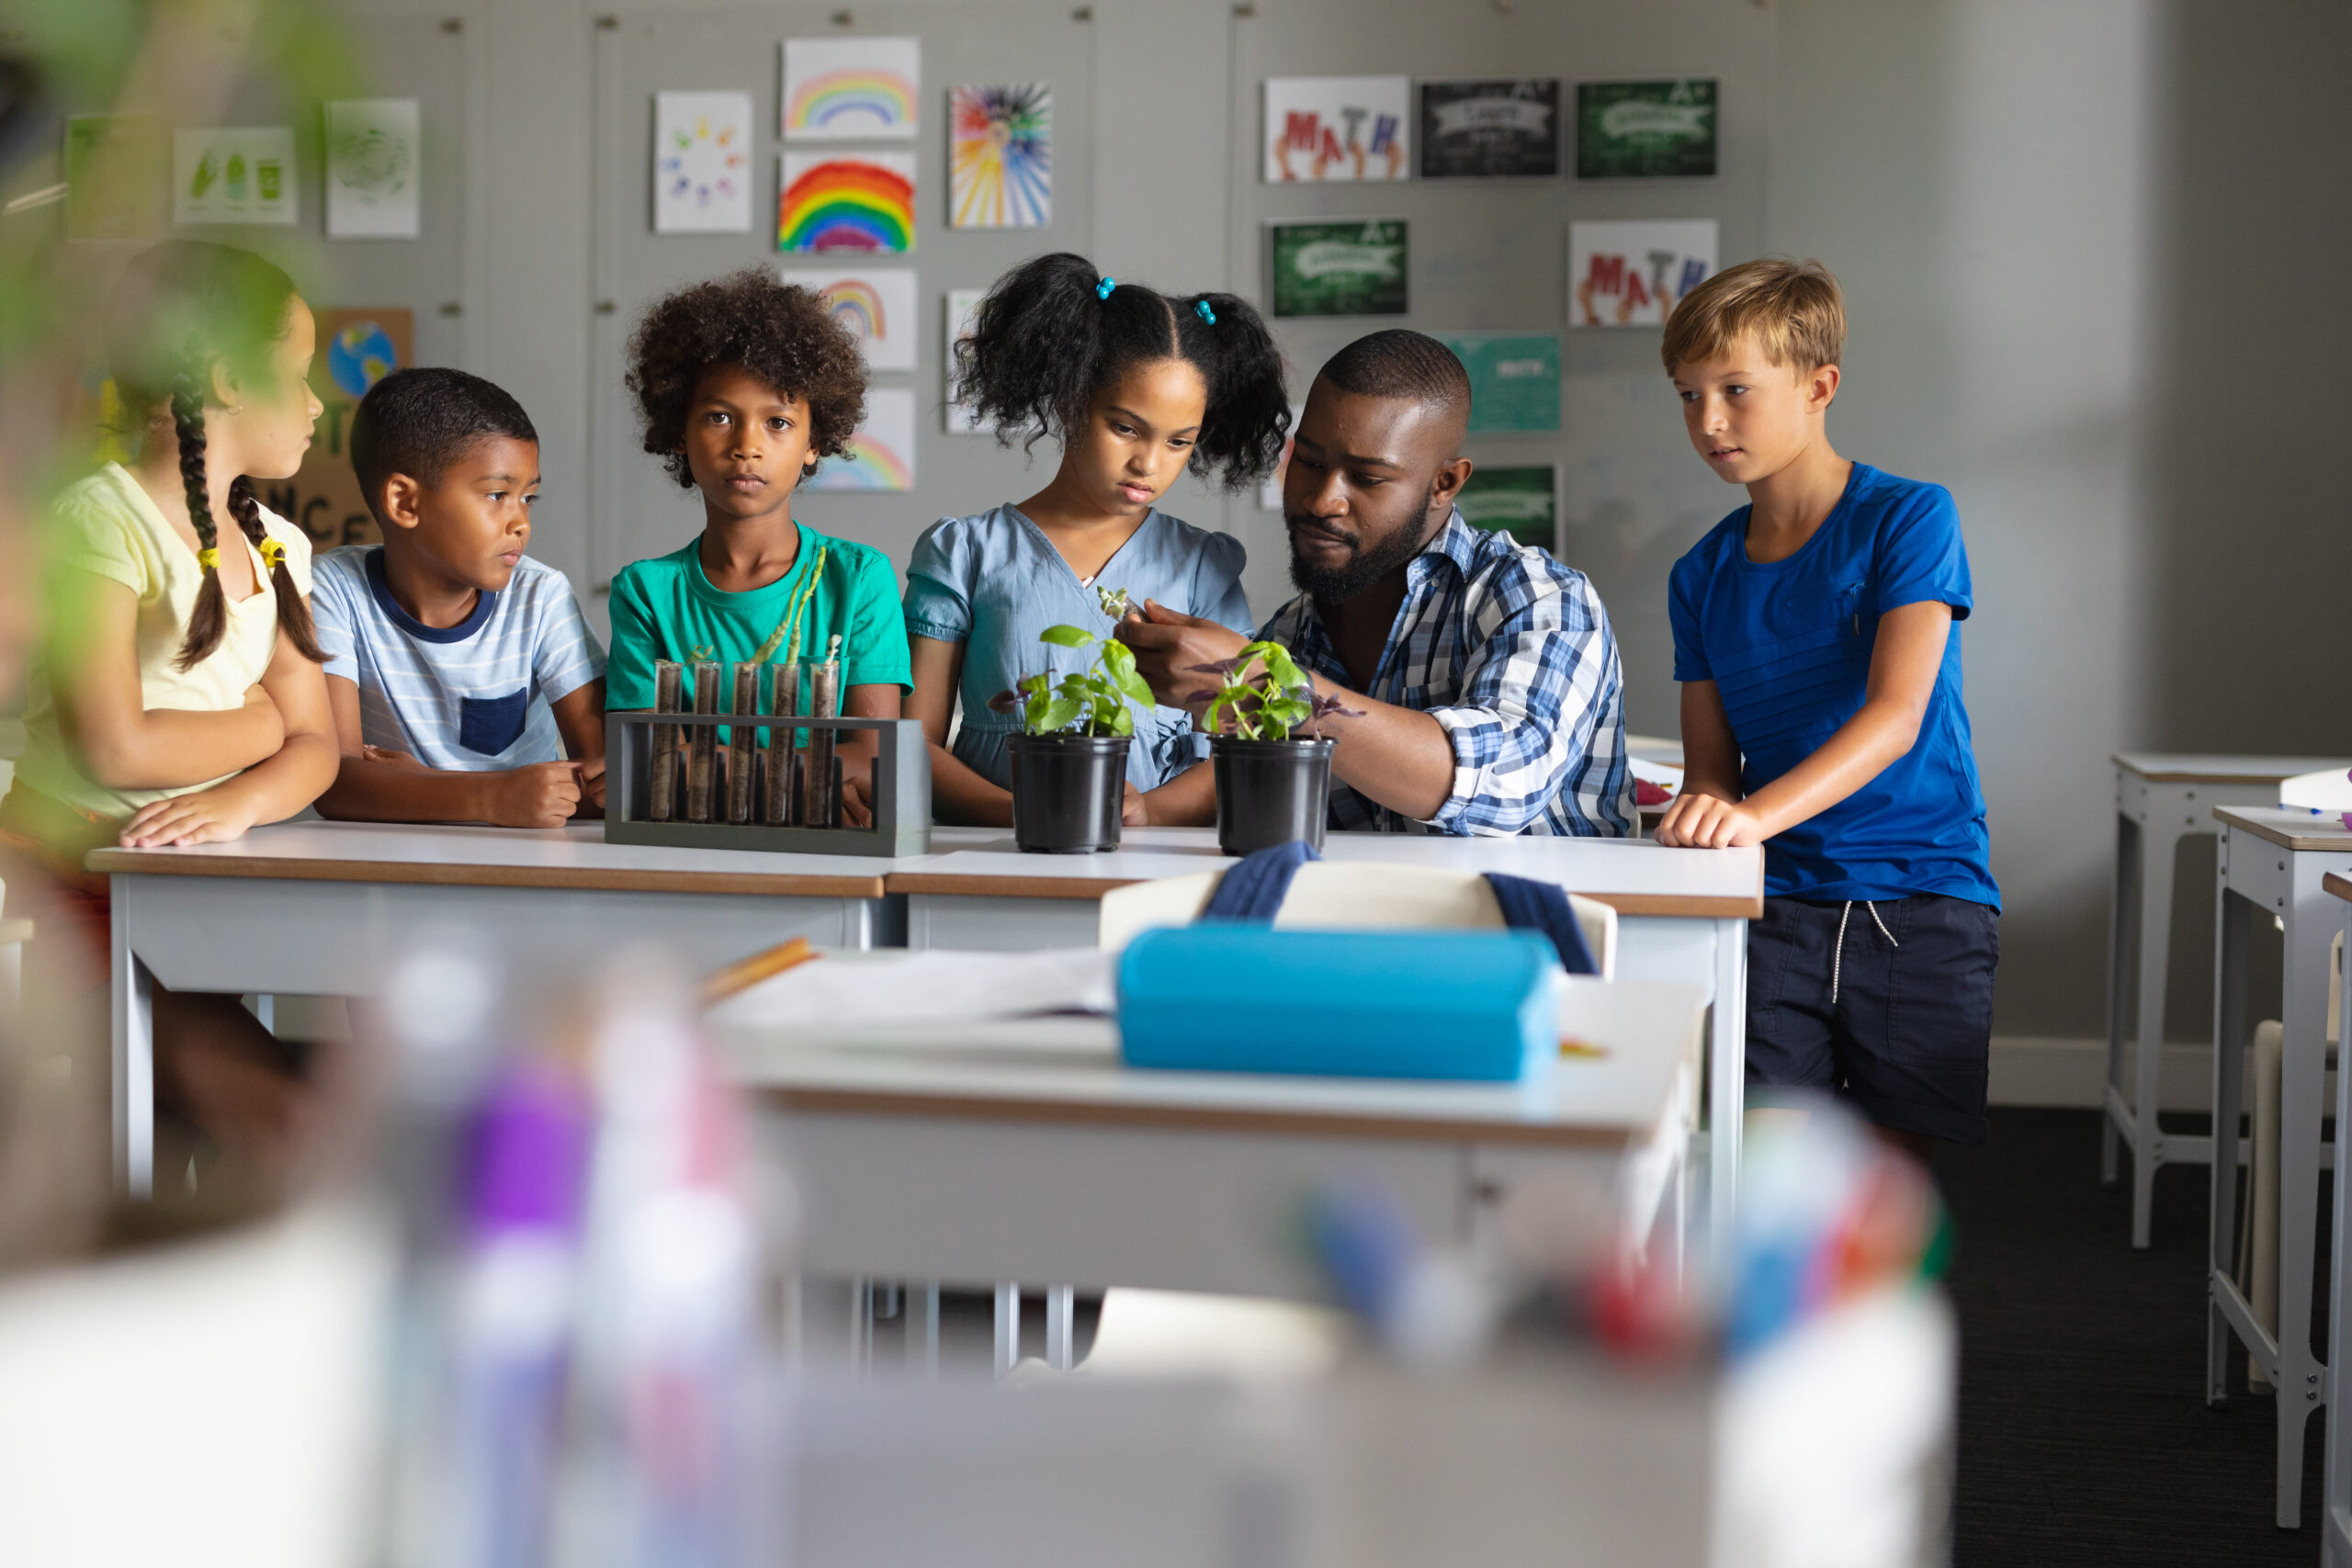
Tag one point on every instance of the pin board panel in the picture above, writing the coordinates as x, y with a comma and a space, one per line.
639, 511
1488, 256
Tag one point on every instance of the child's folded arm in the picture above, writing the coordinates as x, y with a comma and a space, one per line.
119, 742
371, 785
271, 789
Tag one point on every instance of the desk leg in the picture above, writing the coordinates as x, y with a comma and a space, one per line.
2303, 1018
1726, 1078
2336, 1488
2232, 918
1061, 1350
2159, 849
1008, 1327
2122, 934
132, 990
923, 1328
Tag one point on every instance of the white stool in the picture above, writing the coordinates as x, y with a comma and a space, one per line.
2160, 799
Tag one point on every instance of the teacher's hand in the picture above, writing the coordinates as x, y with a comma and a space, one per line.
1166, 645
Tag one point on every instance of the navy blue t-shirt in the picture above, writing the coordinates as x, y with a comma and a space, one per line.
1788, 643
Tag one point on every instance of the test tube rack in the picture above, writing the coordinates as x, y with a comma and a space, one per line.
901, 789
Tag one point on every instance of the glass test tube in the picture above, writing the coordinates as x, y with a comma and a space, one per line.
661, 778
702, 746
742, 744
819, 781
784, 701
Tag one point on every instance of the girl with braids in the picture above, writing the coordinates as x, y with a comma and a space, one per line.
1137, 386
177, 698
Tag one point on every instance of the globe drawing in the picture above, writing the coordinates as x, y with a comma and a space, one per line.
361, 355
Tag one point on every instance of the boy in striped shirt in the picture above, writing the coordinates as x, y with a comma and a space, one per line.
465, 685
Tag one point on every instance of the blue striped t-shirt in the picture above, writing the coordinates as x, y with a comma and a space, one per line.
470, 697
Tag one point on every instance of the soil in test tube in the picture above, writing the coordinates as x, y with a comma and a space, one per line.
661, 778
784, 702
702, 744
741, 743
816, 767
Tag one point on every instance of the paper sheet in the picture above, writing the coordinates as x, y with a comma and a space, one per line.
842, 993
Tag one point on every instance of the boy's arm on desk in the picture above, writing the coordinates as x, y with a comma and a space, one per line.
1711, 814
375, 786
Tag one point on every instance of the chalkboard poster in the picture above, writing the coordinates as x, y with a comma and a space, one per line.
1632, 131
1349, 269
1490, 129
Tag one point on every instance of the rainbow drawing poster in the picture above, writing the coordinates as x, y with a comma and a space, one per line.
882, 454
702, 163
851, 89
878, 309
1000, 157
847, 201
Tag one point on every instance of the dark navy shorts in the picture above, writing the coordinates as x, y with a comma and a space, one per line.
1907, 1035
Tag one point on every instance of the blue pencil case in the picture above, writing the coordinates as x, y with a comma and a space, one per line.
1478, 1006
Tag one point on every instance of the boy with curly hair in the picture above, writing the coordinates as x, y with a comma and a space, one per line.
744, 384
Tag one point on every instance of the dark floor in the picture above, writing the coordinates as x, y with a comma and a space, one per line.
2084, 1433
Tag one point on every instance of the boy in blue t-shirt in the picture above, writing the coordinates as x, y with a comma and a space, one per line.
465, 685
1822, 718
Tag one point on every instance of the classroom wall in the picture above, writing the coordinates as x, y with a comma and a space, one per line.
2078, 242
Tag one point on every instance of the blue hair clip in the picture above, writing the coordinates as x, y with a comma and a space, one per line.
1103, 289
1206, 314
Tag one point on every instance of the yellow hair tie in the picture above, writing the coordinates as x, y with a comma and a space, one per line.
209, 559
272, 554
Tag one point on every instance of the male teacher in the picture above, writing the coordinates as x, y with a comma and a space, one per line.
1491, 697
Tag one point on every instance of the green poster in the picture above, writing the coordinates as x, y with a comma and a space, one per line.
1521, 501
1514, 380
1634, 131
1354, 268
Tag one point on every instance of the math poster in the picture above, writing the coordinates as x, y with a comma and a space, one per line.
1631, 274
1522, 501
1357, 267
1323, 129
1640, 130
1498, 130
357, 349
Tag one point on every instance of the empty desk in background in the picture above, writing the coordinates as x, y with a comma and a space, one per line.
318, 909
1682, 916
2335, 1510
2160, 799
2272, 864
1027, 1150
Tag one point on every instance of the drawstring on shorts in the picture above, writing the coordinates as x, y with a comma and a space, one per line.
1838, 953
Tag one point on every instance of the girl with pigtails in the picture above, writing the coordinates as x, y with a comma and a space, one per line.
1135, 387
177, 696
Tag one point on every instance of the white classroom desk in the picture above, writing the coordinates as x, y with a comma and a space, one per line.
2160, 799
319, 908
1026, 1150
2273, 861
1682, 916
2336, 1490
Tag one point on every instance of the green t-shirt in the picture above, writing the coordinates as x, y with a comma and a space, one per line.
665, 608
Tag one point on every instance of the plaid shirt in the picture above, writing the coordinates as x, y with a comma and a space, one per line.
1510, 652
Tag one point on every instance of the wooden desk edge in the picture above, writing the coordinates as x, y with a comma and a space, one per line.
1187, 1118
2336, 882
1079, 888
2192, 775
2285, 838
439, 873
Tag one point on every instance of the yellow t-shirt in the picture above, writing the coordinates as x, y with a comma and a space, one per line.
109, 525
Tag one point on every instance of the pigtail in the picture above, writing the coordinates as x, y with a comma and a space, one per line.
293, 615
1039, 345
1249, 404
209, 619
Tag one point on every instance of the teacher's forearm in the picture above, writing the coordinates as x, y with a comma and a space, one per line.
1397, 756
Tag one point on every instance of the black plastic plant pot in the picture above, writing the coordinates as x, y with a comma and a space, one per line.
1068, 792
1269, 792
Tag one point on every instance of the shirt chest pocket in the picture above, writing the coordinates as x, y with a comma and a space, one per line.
488, 726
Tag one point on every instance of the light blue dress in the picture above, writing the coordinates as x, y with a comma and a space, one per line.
993, 582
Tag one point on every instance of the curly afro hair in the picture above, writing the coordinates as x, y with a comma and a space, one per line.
782, 333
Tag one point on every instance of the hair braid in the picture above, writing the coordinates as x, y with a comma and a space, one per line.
293, 616
209, 617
